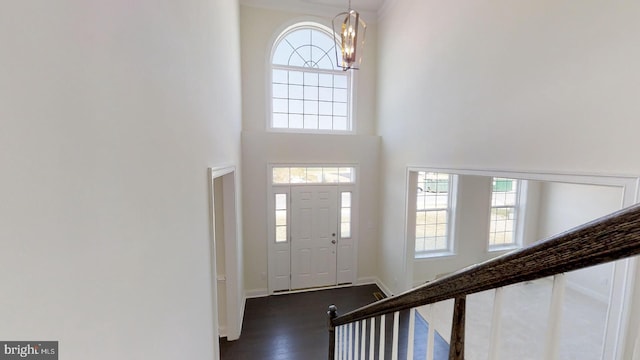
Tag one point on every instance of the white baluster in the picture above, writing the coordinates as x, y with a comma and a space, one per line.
356, 345
345, 349
411, 335
345, 335
383, 327
496, 326
339, 343
350, 342
396, 326
555, 316
336, 342
363, 342
372, 338
636, 350
344, 342
431, 337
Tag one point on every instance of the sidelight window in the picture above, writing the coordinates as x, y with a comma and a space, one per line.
281, 217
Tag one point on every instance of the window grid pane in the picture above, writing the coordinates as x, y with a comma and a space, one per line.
347, 175
309, 91
313, 175
300, 95
504, 203
345, 214
432, 212
281, 217
281, 176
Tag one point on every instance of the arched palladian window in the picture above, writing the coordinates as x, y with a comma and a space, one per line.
309, 90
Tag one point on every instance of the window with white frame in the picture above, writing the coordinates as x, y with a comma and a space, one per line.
505, 203
281, 217
309, 90
345, 214
433, 213
313, 175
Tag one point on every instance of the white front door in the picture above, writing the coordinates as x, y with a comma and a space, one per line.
314, 230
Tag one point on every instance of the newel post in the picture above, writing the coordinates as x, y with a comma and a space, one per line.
332, 314
456, 344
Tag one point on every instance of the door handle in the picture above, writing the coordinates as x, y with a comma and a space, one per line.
333, 241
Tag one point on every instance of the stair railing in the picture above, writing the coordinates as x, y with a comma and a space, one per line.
610, 238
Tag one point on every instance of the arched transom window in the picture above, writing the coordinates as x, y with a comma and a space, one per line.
309, 90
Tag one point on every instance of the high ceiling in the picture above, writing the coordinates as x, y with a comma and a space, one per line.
360, 5
368, 8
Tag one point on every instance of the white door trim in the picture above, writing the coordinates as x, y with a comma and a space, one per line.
282, 284
235, 298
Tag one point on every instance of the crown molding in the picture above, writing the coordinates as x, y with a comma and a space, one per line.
306, 8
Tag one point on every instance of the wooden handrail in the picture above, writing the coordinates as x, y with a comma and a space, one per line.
612, 237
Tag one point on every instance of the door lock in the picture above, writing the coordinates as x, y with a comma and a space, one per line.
333, 241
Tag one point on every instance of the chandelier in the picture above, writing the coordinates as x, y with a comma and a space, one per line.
351, 38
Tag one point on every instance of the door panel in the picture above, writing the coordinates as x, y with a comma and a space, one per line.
345, 261
314, 225
282, 269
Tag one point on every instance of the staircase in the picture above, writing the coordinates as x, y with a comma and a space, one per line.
374, 331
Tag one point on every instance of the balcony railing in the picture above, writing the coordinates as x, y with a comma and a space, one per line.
610, 238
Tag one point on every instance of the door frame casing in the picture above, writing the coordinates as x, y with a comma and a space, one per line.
235, 298
283, 250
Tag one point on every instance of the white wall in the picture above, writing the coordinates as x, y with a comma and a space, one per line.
564, 206
110, 114
540, 86
259, 28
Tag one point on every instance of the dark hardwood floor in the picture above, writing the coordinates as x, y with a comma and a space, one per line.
292, 326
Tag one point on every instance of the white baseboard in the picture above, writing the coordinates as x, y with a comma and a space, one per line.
222, 331
243, 303
259, 293
256, 293
368, 280
374, 280
384, 288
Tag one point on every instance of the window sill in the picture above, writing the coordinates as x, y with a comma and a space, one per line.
434, 255
504, 248
310, 131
